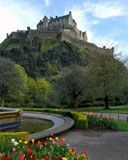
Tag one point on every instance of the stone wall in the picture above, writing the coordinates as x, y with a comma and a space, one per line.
85, 45
42, 35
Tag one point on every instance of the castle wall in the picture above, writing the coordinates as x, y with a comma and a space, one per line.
42, 35
71, 21
85, 45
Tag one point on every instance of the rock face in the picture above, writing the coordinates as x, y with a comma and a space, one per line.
56, 43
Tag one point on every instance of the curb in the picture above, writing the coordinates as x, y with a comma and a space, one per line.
61, 124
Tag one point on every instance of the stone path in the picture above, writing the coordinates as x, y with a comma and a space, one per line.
102, 145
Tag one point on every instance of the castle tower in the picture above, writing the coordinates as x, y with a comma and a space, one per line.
43, 25
63, 24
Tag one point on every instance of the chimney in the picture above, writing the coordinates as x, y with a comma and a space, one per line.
70, 12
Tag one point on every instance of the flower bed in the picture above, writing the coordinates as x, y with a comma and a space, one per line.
99, 121
52, 149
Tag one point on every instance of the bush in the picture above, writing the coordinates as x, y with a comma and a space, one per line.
5, 137
49, 110
80, 120
99, 122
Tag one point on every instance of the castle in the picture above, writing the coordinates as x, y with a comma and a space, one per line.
59, 28
65, 24
62, 28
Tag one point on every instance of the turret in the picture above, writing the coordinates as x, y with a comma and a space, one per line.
43, 25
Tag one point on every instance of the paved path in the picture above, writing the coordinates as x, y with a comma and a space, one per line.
60, 124
102, 145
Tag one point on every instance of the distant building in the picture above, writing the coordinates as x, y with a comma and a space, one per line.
65, 24
62, 28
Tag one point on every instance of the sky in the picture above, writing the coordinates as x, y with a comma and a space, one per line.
105, 21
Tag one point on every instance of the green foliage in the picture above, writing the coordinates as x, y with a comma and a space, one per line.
49, 110
99, 122
43, 88
38, 90
5, 137
71, 87
52, 69
80, 120
108, 76
52, 149
49, 44
120, 125
12, 81
38, 57
119, 109
103, 77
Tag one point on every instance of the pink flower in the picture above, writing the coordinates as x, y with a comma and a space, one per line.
86, 152
22, 157
14, 149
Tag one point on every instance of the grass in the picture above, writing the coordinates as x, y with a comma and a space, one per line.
120, 125
120, 110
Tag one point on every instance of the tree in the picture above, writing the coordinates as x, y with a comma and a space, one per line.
107, 76
38, 89
12, 81
72, 87
43, 88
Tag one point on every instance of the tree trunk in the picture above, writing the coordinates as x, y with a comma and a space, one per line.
2, 101
106, 102
75, 103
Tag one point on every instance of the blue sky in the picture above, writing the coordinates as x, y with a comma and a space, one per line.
105, 21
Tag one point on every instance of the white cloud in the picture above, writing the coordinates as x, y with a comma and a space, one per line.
15, 16
97, 10
47, 2
79, 14
105, 9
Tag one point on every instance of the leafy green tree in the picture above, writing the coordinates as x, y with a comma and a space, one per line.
12, 80
38, 89
43, 88
108, 76
72, 87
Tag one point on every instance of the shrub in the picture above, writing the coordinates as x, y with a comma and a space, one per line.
80, 120
99, 122
5, 137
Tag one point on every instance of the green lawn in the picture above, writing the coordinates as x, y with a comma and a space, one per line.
121, 110
120, 125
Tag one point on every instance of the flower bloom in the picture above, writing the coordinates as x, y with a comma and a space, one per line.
63, 158
22, 157
14, 149
57, 139
33, 140
25, 142
20, 141
12, 140
50, 139
86, 152
15, 143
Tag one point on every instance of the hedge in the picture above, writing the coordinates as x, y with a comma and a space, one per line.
5, 137
80, 120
